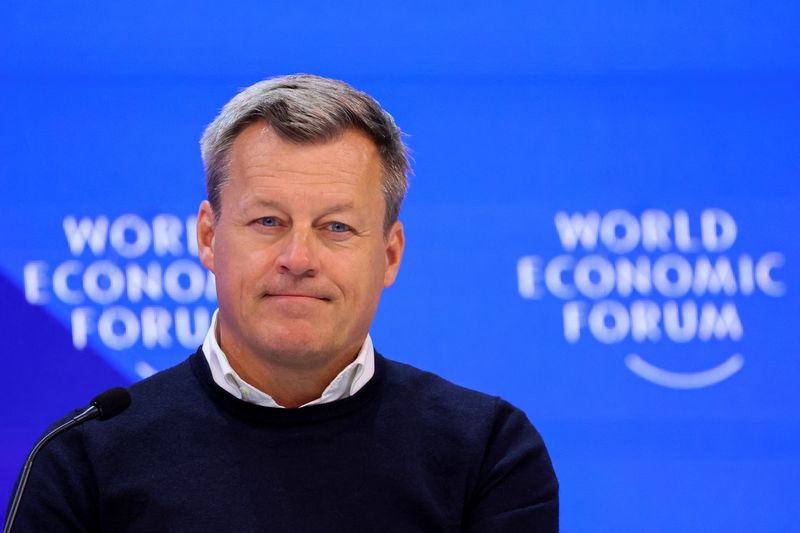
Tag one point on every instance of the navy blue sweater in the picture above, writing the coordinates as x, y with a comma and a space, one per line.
408, 452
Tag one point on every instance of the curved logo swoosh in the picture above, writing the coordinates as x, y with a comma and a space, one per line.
684, 380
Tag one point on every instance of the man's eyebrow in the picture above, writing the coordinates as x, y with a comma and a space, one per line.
338, 208
256, 202
267, 202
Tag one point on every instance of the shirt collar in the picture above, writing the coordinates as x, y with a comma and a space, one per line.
349, 381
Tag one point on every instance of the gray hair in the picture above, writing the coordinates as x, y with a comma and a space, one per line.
307, 109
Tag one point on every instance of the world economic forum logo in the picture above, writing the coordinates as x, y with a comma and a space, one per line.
653, 277
129, 286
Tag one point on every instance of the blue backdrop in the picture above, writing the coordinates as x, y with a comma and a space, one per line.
600, 227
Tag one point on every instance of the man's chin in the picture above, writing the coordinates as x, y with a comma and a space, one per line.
293, 345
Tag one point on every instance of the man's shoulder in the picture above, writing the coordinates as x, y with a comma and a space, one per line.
406, 375
166, 395
441, 397
167, 380
509, 472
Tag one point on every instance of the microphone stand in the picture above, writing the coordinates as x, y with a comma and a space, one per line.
87, 414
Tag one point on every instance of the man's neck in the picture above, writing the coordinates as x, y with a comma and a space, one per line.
289, 386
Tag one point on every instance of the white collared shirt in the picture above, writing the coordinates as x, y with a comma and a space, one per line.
345, 384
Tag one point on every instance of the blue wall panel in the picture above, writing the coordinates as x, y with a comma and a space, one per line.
555, 146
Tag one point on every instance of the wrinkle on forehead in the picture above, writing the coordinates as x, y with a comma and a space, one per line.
261, 147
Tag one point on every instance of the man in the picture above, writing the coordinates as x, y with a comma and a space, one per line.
287, 419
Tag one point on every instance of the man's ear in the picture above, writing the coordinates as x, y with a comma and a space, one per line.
205, 235
395, 242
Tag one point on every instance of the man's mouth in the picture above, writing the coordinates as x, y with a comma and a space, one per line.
296, 295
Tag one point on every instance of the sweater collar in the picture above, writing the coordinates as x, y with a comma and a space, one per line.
280, 416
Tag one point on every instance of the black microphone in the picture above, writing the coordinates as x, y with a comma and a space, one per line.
111, 402
104, 406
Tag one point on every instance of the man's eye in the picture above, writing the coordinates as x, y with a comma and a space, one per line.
268, 221
339, 227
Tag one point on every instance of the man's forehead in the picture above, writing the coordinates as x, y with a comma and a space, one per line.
259, 138
261, 160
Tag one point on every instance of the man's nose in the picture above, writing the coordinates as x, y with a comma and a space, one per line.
298, 255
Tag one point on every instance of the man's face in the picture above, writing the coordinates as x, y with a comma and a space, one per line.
299, 252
